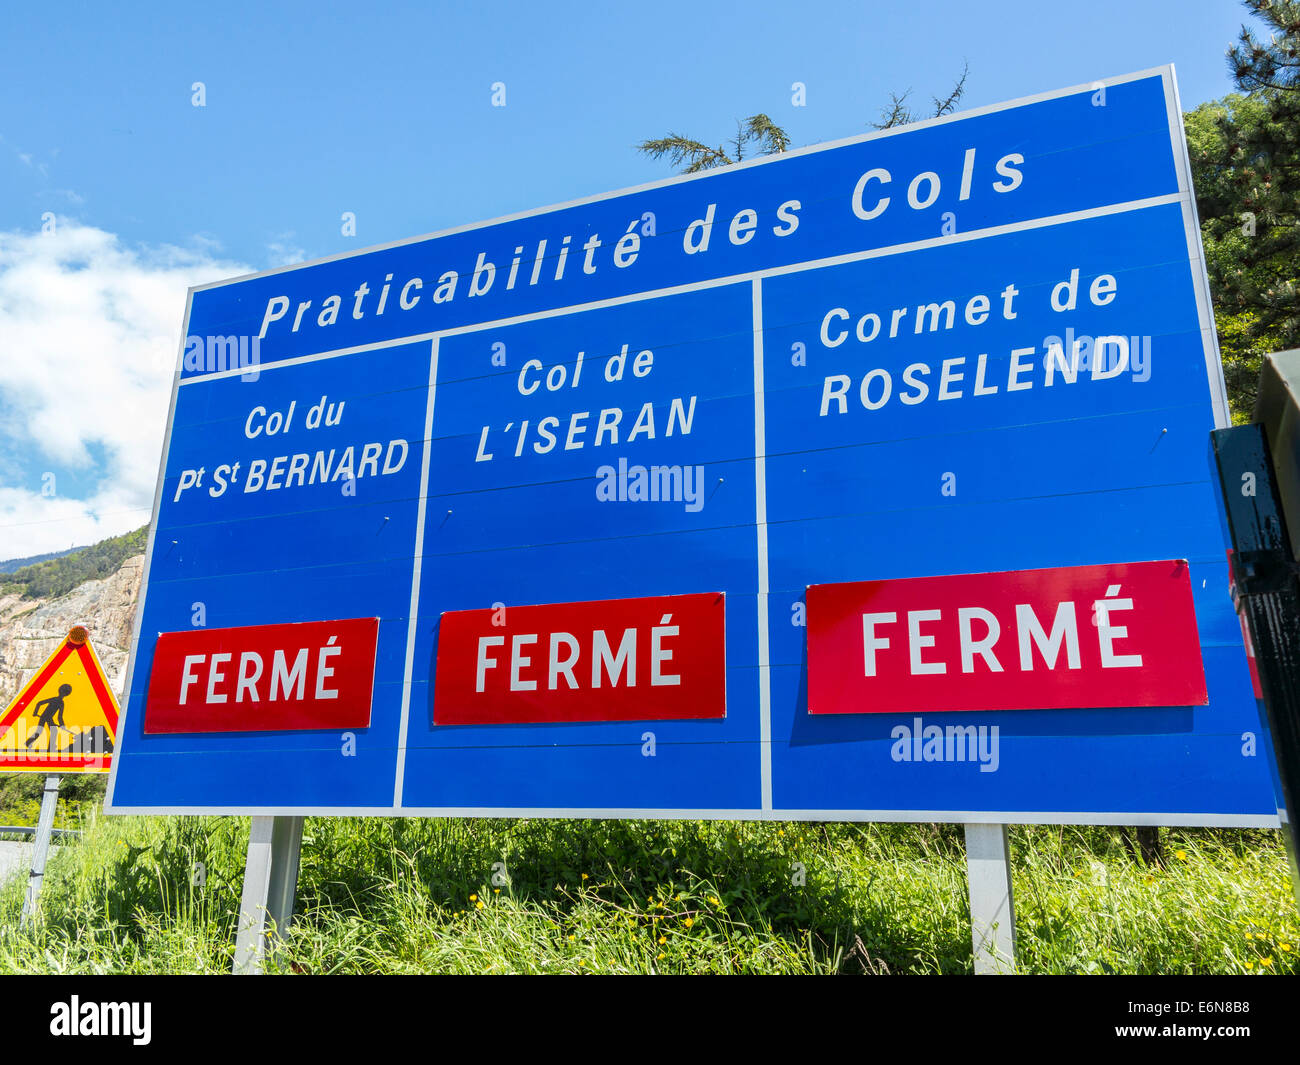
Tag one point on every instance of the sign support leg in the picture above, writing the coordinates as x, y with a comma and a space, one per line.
270, 883
1264, 586
41, 848
992, 913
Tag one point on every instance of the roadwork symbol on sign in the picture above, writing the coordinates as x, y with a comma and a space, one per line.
65, 718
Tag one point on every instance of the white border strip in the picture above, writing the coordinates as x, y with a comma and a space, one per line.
760, 532
959, 817
134, 649
1196, 255
415, 577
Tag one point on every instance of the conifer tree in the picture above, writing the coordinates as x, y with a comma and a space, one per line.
759, 135
1249, 185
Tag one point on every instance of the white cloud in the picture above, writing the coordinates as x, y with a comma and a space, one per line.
89, 330
283, 251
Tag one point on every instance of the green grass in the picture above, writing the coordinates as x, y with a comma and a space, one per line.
399, 896
79, 795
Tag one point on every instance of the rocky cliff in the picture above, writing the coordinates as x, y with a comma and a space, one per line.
30, 629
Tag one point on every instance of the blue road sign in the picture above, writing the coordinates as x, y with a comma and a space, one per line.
981, 343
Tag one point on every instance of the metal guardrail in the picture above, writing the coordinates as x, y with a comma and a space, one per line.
27, 830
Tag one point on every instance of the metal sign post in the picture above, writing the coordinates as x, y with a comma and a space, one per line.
270, 883
992, 911
41, 848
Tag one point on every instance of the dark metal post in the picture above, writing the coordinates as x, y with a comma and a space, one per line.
1268, 599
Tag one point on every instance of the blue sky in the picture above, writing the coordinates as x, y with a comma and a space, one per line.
313, 110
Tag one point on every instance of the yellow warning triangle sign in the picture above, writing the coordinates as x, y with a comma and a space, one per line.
65, 718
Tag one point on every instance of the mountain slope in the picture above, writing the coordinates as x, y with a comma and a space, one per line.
11, 564
60, 574
31, 628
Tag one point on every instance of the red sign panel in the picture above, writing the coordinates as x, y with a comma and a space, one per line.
1085, 636
263, 678
654, 659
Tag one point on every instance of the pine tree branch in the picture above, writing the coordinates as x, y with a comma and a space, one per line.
686, 155
896, 114
949, 103
767, 133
